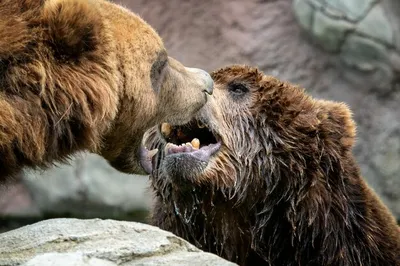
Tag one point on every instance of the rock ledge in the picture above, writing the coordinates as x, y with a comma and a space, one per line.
76, 242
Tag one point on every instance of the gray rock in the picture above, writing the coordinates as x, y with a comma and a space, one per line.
368, 56
353, 9
377, 26
330, 32
316, 3
360, 32
360, 49
394, 58
98, 242
304, 13
385, 161
89, 187
67, 259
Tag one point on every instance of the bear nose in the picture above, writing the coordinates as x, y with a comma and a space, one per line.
206, 78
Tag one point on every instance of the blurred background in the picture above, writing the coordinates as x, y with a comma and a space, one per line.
343, 50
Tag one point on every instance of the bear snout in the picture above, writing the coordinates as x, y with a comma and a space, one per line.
208, 82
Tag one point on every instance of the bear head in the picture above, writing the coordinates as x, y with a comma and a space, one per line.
254, 169
86, 75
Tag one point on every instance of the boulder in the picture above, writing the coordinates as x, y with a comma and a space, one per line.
95, 242
362, 33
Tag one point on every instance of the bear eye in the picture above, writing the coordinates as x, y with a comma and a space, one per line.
237, 89
156, 73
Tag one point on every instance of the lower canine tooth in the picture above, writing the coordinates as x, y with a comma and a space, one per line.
166, 148
152, 153
196, 143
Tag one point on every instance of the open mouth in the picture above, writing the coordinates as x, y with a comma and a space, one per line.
194, 139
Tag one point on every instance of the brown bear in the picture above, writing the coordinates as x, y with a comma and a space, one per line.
85, 75
265, 175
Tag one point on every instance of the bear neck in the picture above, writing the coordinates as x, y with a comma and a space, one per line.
292, 221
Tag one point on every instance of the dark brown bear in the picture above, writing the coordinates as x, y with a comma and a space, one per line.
273, 181
85, 75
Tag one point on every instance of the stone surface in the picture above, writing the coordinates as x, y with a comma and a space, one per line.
370, 57
67, 259
304, 13
386, 160
352, 9
377, 26
89, 187
359, 51
98, 242
330, 32
16, 201
362, 33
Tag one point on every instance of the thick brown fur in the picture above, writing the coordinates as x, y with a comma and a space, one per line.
80, 75
284, 189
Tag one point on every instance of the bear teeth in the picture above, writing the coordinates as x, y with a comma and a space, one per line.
184, 147
166, 129
195, 143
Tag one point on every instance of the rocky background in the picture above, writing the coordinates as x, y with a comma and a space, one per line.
344, 50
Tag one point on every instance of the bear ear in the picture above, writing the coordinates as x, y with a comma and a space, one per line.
74, 27
338, 128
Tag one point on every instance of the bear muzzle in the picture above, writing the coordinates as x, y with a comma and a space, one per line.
205, 77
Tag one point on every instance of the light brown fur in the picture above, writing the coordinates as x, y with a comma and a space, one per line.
79, 75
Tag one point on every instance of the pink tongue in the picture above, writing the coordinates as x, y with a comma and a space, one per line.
146, 157
202, 154
178, 149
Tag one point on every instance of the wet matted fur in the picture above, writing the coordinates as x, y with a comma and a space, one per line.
283, 189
